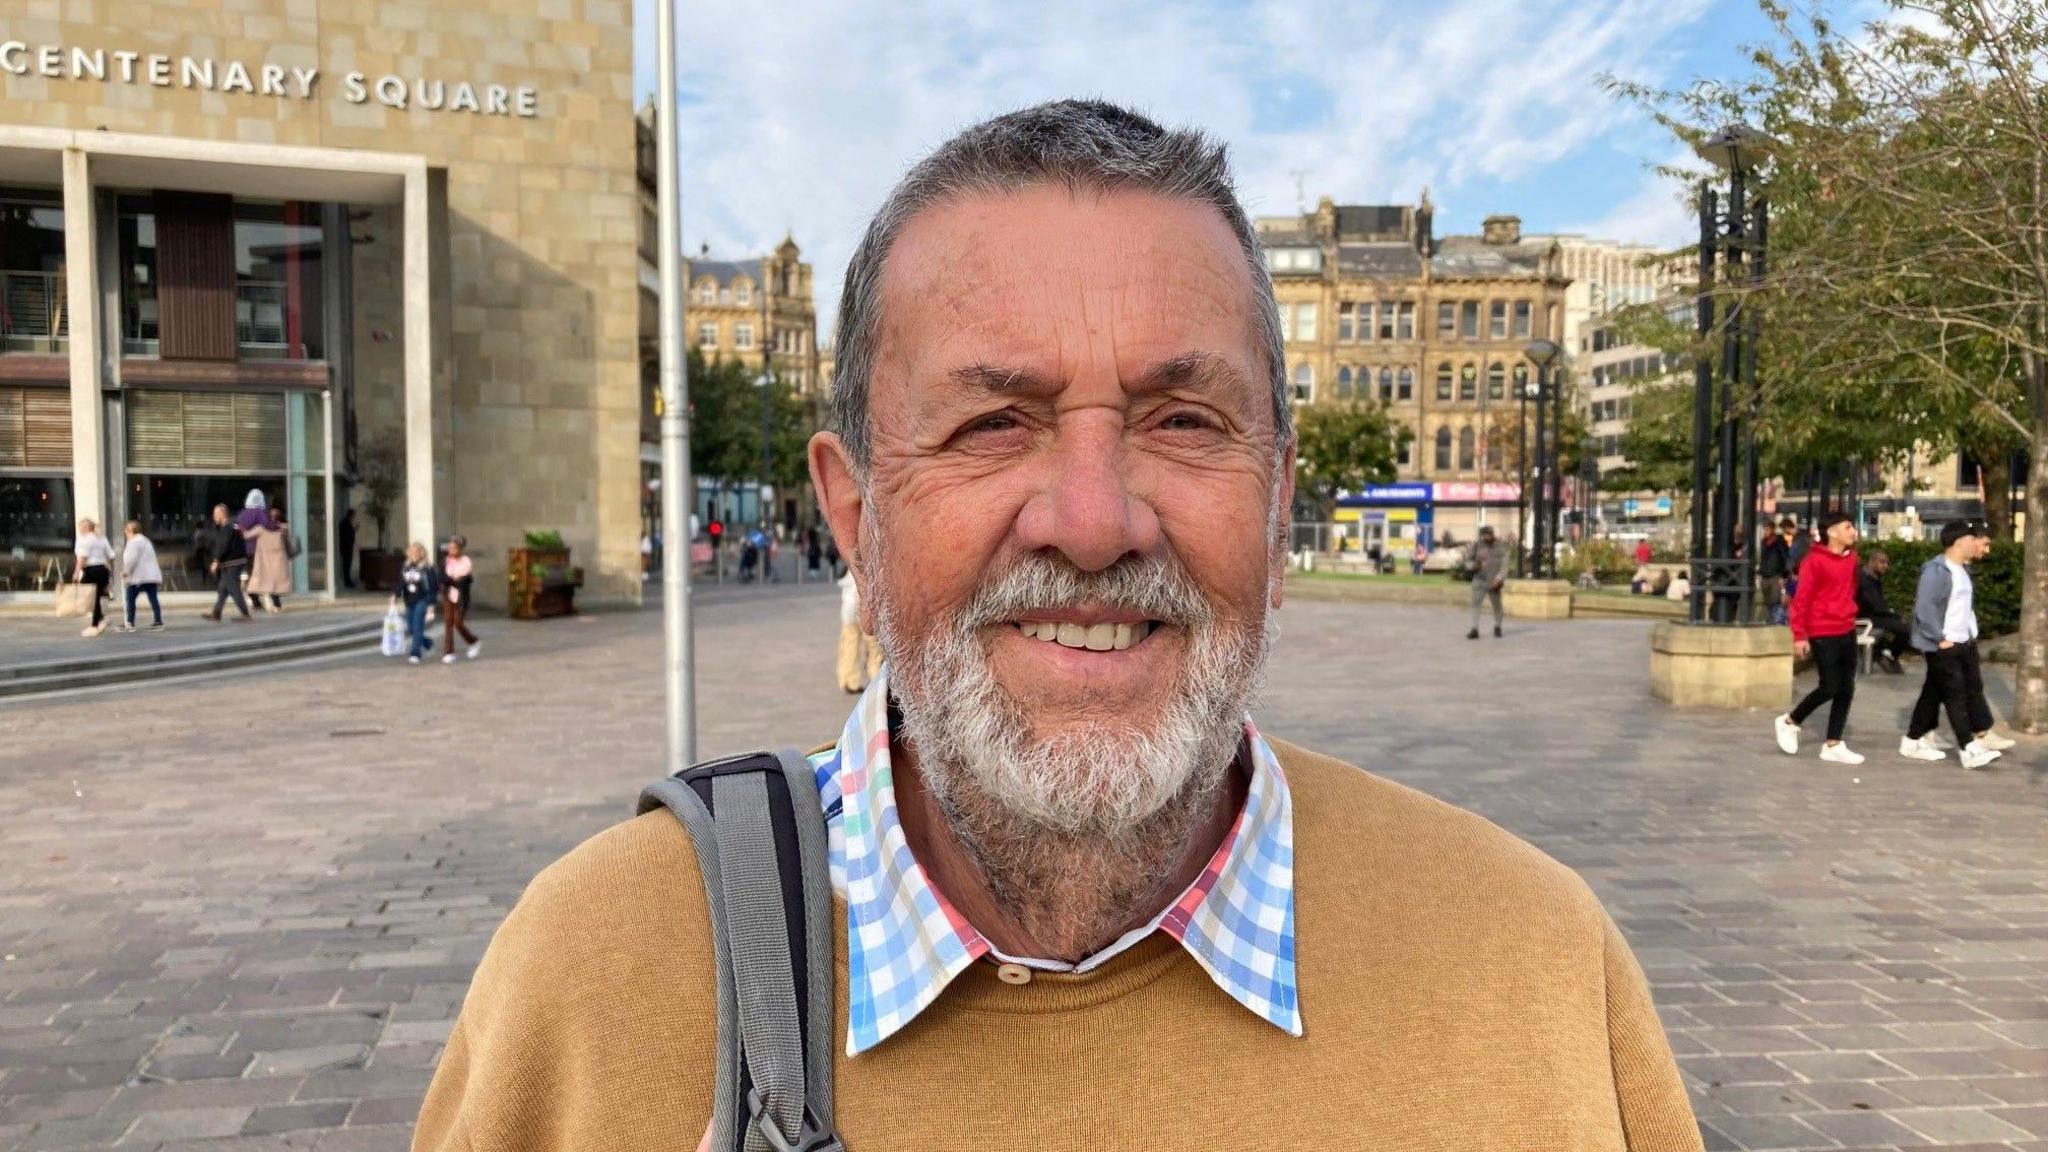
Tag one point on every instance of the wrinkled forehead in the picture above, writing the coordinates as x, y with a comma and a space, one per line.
1058, 281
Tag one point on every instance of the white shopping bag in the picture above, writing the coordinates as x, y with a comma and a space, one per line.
393, 641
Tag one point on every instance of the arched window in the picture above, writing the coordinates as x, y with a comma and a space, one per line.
1344, 382
1465, 444
1443, 449
1386, 385
1407, 389
707, 291
1304, 383
1443, 381
1521, 380
1496, 381
1468, 383
743, 292
1493, 454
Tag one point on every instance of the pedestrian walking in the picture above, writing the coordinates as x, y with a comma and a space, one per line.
270, 561
1945, 633
457, 579
1773, 564
227, 560
852, 641
140, 576
1889, 633
417, 584
93, 563
345, 535
1823, 619
1488, 562
814, 553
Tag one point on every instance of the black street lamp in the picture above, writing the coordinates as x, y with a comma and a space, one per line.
1725, 399
1543, 527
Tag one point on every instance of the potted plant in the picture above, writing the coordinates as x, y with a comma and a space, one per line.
541, 581
382, 480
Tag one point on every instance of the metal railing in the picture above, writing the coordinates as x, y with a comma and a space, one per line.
33, 317
1722, 592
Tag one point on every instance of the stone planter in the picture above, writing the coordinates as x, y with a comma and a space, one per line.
541, 583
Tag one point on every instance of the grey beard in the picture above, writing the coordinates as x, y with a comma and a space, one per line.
1074, 832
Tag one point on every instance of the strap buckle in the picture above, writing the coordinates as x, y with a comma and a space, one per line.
808, 1136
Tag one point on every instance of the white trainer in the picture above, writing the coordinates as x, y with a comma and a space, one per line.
1838, 753
448, 659
1995, 742
475, 650
1976, 755
1913, 749
1788, 735
1938, 742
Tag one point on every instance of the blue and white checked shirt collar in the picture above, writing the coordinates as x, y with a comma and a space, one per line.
906, 943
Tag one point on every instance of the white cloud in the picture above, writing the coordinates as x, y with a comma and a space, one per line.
1656, 213
801, 117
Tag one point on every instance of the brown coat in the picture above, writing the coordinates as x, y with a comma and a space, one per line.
270, 568
1459, 990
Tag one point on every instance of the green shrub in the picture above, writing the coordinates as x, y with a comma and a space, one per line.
1994, 580
548, 541
1609, 560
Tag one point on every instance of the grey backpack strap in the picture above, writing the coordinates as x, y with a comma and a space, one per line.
760, 840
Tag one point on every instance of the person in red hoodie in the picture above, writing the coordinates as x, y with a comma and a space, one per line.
1824, 624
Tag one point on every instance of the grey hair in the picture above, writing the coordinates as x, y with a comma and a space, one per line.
1082, 144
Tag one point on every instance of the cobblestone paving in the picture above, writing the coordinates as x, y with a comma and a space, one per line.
241, 915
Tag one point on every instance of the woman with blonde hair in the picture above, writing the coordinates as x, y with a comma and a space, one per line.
416, 588
94, 565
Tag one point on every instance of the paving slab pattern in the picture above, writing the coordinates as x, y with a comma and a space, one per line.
242, 914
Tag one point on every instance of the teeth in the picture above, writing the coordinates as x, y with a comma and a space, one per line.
1093, 637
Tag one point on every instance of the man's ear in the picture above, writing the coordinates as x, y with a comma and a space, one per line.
1283, 523
839, 493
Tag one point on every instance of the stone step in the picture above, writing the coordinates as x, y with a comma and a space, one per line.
56, 678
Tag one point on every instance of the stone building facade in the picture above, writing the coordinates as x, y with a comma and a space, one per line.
1375, 306
303, 234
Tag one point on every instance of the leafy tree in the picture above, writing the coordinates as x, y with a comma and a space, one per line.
726, 419
1342, 447
1907, 300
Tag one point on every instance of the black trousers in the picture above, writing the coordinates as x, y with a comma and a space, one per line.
1834, 657
1891, 634
98, 575
1955, 683
230, 585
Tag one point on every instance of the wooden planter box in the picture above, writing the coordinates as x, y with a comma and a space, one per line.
541, 583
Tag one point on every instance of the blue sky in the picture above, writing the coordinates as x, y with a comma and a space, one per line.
798, 115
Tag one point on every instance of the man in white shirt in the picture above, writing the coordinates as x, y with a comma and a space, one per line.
1945, 632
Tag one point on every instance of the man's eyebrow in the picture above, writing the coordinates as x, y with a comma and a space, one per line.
982, 377
1199, 370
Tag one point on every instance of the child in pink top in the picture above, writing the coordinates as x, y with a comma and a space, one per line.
456, 581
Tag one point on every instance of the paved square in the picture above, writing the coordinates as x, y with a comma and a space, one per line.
242, 914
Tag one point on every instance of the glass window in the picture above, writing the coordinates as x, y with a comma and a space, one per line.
278, 288
707, 292
1447, 320
707, 335
743, 336
1492, 453
1407, 327
1443, 381
1406, 390
1465, 449
137, 225
1344, 382
1304, 383
1468, 383
1496, 381
1522, 316
1443, 449
32, 312
1344, 326
1365, 321
743, 292
35, 487
1521, 379
1305, 322
1468, 320
1406, 457
1497, 320
1386, 385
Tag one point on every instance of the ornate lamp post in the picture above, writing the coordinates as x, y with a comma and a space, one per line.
1543, 526
1724, 477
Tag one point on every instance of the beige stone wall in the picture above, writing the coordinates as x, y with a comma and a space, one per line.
541, 367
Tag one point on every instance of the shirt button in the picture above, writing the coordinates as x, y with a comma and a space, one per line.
1013, 974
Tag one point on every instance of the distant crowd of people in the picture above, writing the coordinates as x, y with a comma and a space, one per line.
247, 556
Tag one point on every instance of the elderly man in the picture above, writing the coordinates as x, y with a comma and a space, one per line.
1083, 902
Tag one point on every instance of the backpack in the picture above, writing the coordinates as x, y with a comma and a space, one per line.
759, 834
